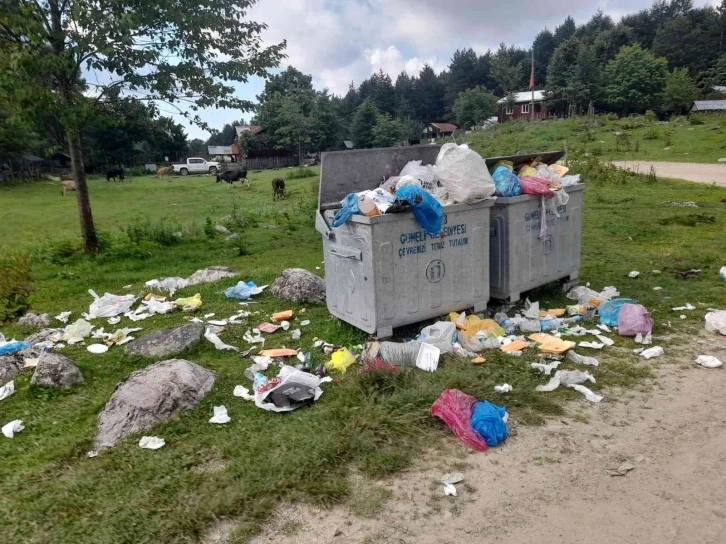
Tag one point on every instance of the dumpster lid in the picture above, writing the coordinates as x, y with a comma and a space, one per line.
344, 172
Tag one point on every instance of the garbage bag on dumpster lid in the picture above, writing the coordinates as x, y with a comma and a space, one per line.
490, 422
419, 175
454, 408
532, 185
289, 390
426, 208
506, 182
350, 207
463, 173
610, 310
634, 319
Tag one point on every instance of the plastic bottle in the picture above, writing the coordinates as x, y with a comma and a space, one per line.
531, 325
508, 326
368, 207
550, 324
259, 382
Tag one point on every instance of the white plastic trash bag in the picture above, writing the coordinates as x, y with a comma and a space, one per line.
109, 305
716, 321
463, 173
289, 390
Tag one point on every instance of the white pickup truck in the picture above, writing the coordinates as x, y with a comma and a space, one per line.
196, 165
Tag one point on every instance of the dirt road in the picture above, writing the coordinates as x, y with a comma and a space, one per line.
700, 173
552, 484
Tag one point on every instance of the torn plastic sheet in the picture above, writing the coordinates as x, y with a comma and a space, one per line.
211, 335
63, 317
707, 361
289, 390
546, 369
655, 351
644, 340
243, 393
605, 340
582, 359
220, 416
77, 331
589, 395
591, 345
7, 390
254, 339
566, 377
15, 426
109, 305
204, 275
504, 388
688, 306
151, 442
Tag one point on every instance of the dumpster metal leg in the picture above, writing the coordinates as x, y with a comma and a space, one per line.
384, 332
481, 307
514, 297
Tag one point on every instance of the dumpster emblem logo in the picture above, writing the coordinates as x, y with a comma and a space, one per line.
548, 245
435, 271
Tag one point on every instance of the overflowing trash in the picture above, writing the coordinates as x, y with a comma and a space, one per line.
289, 390
477, 424
205, 275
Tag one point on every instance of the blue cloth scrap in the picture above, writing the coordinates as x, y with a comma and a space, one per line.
486, 420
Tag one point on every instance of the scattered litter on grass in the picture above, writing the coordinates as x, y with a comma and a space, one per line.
12, 346
490, 422
279, 352
190, 304
645, 340
91, 454
97, 348
151, 442
267, 328
683, 316
7, 390
296, 334
114, 320
204, 275
305, 323
15, 426
279, 317
208, 316
504, 388
688, 306
581, 359
591, 345
655, 271
454, 407
450, 490
634, 274
452, 478
340, 360
589, 395
722, 273
708, 361
428, 357
478, 360
716, 321
657, 288
63, 317
218, 322
289, 390
255, 338
109, 305
566, 377
546, 369
210, 334
243, 291
220, 416
605, 340
77, 331
285, 325
687, 274
655, 351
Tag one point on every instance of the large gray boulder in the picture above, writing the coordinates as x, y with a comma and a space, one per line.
55, 370
167, 342
299, 285
32, 319
10, 366
151, 395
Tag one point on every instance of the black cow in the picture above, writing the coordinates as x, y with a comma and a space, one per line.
115, 173
230, 176
278, 188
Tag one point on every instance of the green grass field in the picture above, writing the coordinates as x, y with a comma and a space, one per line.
51, 492
640, 138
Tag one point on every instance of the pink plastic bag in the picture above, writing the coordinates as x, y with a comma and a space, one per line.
536, 186
634, 319
454, 407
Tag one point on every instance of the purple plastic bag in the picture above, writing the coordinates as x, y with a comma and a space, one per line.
634, 319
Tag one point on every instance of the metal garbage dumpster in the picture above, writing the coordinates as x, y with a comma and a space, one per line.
385, 271
520, 259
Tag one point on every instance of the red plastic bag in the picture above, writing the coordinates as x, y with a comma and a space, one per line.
634, 319
536, 186
454, 407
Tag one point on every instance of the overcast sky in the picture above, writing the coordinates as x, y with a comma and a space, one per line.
339, 41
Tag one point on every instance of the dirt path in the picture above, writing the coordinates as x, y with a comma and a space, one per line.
700, 173
551, 484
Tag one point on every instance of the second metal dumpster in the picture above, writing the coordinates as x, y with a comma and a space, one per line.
521, 256
386, 271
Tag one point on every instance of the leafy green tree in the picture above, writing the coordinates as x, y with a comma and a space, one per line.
585, 84
157, 50
197, 148
225, 136
463, 75
560, 74
544, 48
635, 80
680, 91
565, 31
379, 88
295, 127
689, 41
505, 69
363, 122
429, 96
387, 131
411, 130
474, 106
607, 44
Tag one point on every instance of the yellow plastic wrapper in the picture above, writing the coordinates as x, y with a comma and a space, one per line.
528, 171
340, 360
472, 324
559, 169
190, 304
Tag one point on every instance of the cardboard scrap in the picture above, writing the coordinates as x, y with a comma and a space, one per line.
279, 352
516, 345
282, 316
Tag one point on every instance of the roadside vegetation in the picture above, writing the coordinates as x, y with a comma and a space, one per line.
378, 423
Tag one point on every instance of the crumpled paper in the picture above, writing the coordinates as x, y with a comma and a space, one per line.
15, 426
151, 442
220, 416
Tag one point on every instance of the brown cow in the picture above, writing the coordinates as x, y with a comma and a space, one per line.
67, 186
278, 188
166, 170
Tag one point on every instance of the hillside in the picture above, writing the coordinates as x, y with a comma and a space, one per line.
700, 139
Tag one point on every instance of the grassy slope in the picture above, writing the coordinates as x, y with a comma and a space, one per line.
647, 139
50, 491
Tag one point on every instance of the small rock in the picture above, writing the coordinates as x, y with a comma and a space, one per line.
151, 395
32, 319
299, 285
55, 370
10, 366
167, 342
337, 532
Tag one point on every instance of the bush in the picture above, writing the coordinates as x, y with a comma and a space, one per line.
136, 171
15, 286
301, 172
651, 134
209, 230
165, 232
697, 120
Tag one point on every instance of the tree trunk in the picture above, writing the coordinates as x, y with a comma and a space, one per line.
88, 230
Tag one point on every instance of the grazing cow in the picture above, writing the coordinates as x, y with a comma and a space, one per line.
166, 170
67, 186
231, 176
115, 173
278, 188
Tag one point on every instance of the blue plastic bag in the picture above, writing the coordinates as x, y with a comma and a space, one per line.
486, 420
506, 182
350, 207
13, 346
426, 208
610, 310
242, 291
